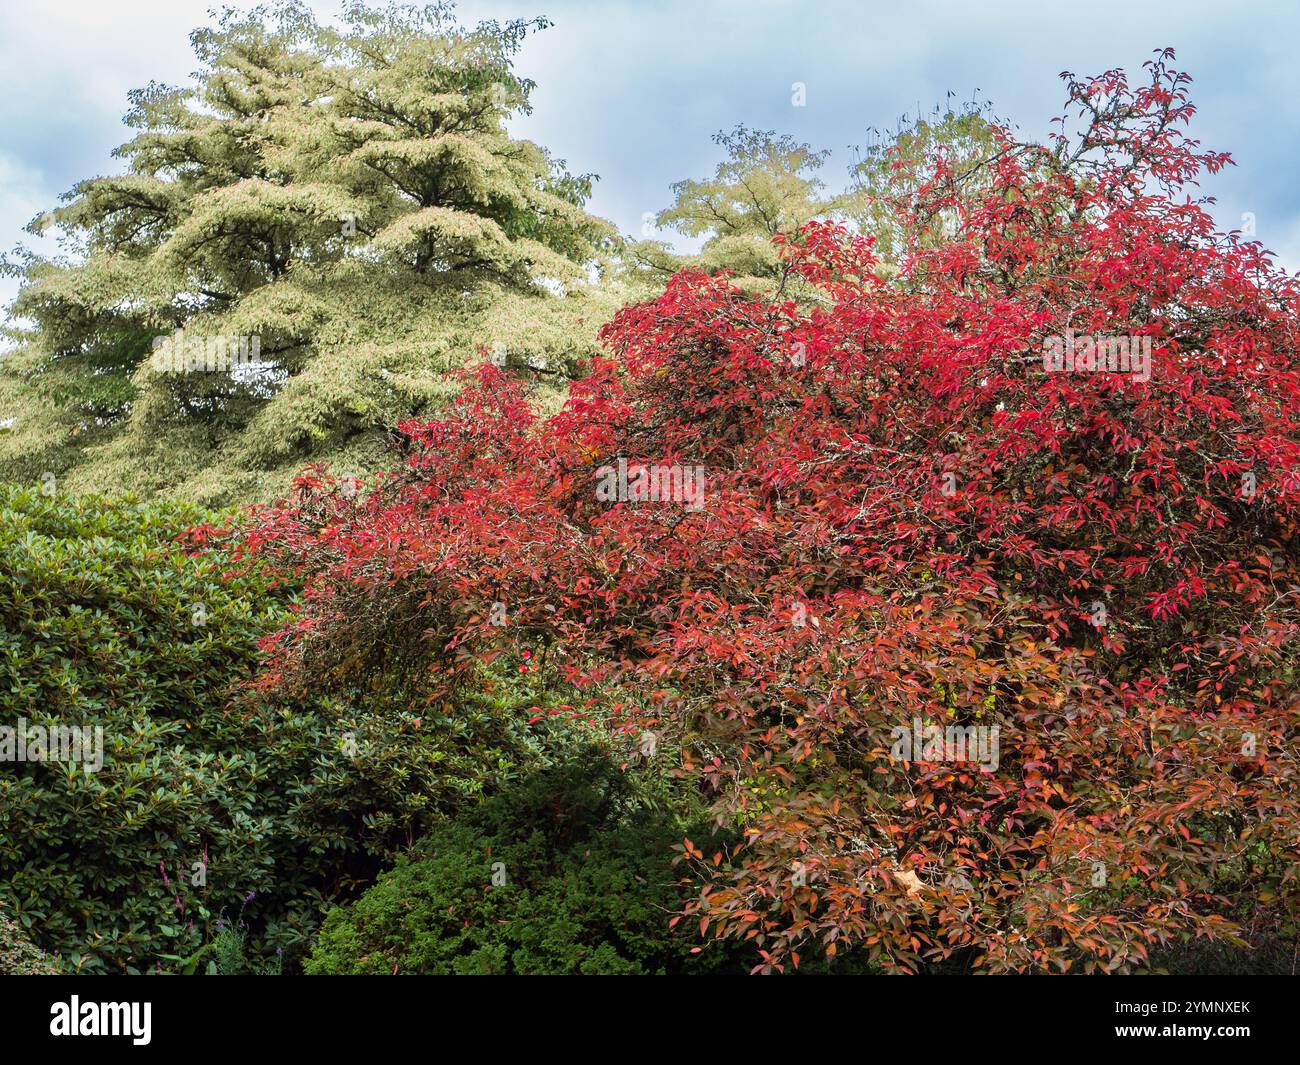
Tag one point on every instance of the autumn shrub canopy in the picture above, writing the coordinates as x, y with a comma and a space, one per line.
909, 512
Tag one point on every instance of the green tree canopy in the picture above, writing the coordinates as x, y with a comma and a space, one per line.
766, 185
348, 196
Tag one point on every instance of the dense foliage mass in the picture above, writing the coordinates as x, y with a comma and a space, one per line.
19, 956
586, 887
912, 510
207, 799
350, 199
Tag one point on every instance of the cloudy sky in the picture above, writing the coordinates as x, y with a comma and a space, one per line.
633, 91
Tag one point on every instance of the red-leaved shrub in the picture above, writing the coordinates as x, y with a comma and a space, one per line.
923, 501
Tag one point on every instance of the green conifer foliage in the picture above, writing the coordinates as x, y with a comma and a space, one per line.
351, 198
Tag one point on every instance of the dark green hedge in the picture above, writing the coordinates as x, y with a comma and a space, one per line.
98, 604
589, 889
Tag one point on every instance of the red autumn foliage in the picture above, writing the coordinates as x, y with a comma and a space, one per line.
905, 516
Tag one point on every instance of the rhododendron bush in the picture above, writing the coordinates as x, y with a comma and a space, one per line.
913, 513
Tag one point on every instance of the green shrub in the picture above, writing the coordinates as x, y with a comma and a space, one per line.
589, 889
19, 956
211, 795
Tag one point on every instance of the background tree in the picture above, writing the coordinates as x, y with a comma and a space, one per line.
769, 185
894, 164
348, 196
766, 185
